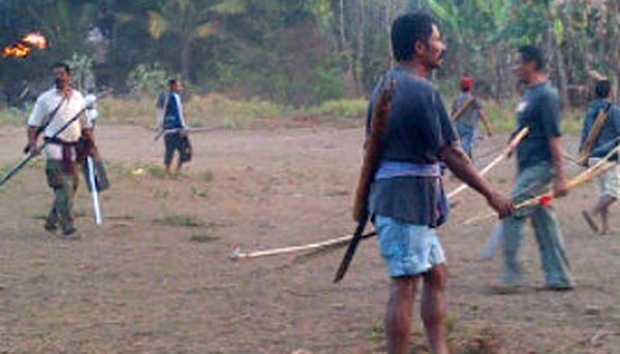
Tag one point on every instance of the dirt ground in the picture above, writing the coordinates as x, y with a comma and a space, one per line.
156, 277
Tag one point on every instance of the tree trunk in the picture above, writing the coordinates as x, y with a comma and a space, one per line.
359, 58
185, 58
345, 53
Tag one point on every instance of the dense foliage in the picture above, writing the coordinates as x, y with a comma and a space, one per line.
301, 52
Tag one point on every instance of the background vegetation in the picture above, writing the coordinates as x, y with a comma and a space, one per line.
301, 53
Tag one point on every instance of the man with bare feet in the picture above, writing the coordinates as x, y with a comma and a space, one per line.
601, 129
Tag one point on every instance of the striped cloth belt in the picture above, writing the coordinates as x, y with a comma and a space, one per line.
391, 169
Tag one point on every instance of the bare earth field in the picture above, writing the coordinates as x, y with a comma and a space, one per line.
156, 277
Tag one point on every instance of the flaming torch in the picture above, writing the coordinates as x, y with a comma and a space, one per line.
23, 47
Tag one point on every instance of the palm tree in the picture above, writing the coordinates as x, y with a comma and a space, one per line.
190, 20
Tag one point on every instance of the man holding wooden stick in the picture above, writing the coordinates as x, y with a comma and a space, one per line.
601, 129
406, 200
52, 111
173, 118
466, 112
540, 162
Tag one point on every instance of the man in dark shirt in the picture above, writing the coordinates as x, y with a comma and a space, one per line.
406, 199
174, 127
608, 183
540, 162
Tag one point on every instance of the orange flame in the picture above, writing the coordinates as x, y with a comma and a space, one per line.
36, 40
16, 51
23, 47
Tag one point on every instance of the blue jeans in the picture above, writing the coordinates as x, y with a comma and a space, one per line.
467, 135
531, 182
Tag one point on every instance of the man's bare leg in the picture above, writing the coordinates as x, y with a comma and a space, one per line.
604, 211
179, 165
399, 313
433, 308
602, 208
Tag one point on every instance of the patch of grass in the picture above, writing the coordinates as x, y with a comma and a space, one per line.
161, 193
180, 220
117, 169
230, 124
202, 193
336, 192
155, 171
39, 215
14, 116
377, 331
207, 176
203, 237
345, 108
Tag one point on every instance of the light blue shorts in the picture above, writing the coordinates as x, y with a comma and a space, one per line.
406, 248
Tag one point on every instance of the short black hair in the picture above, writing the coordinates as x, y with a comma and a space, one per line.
63, 65
602, 89
531, 53
407, 30
172, 82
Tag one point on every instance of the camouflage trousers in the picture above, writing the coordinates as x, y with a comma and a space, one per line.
64, 185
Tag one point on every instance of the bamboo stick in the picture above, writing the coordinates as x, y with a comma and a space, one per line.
344, 240
514, 142
544, 198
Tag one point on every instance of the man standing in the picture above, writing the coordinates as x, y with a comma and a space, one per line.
467, 121
173, 125
540, 162
406, 198
601, 130
52, 110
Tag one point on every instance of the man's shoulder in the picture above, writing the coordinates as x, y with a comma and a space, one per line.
79, 95
47, 94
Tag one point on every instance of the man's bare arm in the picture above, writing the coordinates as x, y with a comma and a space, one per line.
557, 157
461, 166
485, 121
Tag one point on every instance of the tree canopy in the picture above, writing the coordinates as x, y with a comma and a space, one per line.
301, 52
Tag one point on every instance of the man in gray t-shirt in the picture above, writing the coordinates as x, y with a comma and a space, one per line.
467, 123
540, 163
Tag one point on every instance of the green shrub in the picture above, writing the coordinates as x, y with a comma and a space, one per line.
345, 108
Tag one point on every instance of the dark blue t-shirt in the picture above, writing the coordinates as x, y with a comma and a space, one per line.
540, 110
172, 114
418, 128
610, 132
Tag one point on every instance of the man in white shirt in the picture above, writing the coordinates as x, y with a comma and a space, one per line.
53, 109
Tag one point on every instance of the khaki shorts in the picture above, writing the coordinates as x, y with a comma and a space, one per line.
607, 184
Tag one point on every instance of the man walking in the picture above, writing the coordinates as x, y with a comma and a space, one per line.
406, 199
52, 110
470, 112
540, 163
173, 125
601, 130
